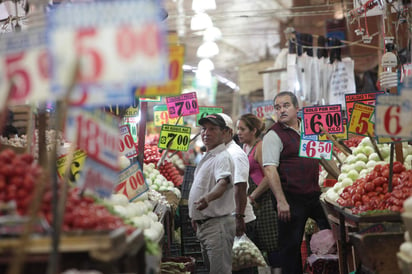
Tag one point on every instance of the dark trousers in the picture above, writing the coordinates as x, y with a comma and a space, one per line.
291, 233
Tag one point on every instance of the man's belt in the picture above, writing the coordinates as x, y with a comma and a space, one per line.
201, 222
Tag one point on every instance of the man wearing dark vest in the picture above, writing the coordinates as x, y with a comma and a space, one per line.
293, 181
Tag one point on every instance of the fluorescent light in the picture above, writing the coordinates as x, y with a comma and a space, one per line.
207, 49
200, 21
212, 34
201, 5
206, 64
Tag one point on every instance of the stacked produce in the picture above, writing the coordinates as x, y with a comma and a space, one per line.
157, 181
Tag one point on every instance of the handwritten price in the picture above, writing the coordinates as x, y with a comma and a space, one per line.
127, 145
132, 182
315, 149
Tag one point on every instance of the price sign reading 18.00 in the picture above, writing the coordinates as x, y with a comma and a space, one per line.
174, 137
183, 105
131, 182
329, 117
393, 116
315, 149
360, 119
161, 117
205, 111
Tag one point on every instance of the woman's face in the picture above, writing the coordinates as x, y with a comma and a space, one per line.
246, 136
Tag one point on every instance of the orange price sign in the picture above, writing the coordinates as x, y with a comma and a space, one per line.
175, 74
361, 119
131, 182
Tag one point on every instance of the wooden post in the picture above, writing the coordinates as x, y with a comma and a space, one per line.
142, 133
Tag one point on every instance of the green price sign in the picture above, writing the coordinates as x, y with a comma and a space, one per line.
174, 137
205, 111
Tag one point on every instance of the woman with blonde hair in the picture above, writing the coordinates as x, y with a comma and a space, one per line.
249, 130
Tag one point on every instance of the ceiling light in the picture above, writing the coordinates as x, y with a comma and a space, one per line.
207, 49
200, 21
212, 34
206, 64
201, 5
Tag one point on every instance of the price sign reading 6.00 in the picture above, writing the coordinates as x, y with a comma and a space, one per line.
329, 117
131, 182
315, 149
183, 105
174, 137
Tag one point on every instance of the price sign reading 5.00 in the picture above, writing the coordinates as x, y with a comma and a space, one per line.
315, 149
329, 117
131, 182
174, 137
183, 105
360, 119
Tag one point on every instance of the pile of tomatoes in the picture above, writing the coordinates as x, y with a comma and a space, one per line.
372, 192
170, 172
151, 154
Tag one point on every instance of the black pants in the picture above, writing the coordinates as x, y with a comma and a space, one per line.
291, 233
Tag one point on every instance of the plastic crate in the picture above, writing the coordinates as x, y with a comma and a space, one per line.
187, 181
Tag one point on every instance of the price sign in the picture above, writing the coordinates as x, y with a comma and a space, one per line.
393, 116
97, 133
174, 84
161, 117
24, 60
360, 120
366, 98
263, 109
98, 178
329, 117
183, 105
174, 137
127, 146
111, 48
205, 111
76, 166
338, 136
131, 182
316, 149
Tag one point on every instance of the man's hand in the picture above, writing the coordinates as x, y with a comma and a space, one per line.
240, 226
283, 211
202, 203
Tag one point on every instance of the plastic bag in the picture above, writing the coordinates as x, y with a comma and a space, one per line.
323, 242
246, 254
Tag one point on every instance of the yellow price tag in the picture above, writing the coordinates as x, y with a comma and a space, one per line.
360, 119
174, 137
161, 117
76, 166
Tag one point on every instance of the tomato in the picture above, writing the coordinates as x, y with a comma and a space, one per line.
378, 169
365, 199
369, 186
356, 197
379, 181
371, 176
379, 189
345, 195
398, 167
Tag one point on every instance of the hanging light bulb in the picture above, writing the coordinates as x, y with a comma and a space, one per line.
200, 21
204, 78
206, 64
201, 5
207, 49
212, 34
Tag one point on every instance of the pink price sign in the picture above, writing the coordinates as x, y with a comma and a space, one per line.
182, 105
315, 149
329, 117
366, 98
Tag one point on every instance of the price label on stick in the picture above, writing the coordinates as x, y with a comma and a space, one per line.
393, 116
174, 137
161, 117
205, 111
263, 109
127, 146
315, 149
360, 120
182, 105
131, 182
366, 98
329, 117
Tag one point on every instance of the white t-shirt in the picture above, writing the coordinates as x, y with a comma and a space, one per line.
241, 174
215, 165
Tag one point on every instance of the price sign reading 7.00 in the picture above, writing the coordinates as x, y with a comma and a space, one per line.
174, 137
360, 119
329, 117
183, 105
315, 149
205, 111
131, 182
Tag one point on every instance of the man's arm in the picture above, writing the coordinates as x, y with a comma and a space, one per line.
271, 172
216, 192
240, 199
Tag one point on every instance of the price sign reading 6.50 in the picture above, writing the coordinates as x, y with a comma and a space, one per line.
315, 149
329, 117
131, 182
174, 137
182, 105
360, 119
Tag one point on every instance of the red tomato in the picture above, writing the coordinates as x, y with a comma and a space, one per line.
369, 186
379, 181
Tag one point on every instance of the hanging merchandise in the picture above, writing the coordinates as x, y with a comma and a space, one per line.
342, 81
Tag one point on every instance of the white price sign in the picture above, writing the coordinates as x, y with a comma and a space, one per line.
111, 49
263, 109
393, 116
127, 146
25, 63
131, 182
315, 149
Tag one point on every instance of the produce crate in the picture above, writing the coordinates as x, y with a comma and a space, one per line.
187, 181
